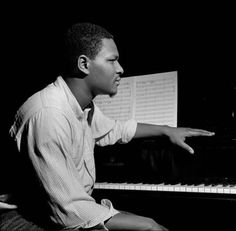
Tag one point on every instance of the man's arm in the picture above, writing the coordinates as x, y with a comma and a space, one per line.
59, 165
176, 135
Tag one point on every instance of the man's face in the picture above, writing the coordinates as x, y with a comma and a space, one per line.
105, 70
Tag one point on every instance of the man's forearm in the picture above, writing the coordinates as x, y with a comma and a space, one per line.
148, 130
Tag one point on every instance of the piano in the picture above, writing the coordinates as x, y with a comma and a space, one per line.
178, 190
177, 206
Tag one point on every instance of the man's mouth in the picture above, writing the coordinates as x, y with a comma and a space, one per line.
117, 81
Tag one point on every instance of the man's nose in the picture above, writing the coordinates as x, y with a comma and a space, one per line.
119, 70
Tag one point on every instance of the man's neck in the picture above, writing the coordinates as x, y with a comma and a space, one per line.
80, 90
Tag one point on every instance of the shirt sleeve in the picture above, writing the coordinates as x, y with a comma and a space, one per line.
49, 142
108, 131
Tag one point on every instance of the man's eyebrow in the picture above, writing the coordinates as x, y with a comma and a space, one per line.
116, 56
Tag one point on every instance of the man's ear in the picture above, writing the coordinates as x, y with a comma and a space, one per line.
83, 62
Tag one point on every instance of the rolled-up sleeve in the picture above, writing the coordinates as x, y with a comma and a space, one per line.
50, 152
107, 131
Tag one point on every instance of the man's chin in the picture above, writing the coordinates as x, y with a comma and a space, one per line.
112, 94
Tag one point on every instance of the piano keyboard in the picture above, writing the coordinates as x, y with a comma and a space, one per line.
209, 204
201, 188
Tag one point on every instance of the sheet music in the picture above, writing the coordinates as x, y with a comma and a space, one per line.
121, 105
147, 98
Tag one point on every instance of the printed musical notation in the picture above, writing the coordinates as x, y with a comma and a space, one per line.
146, 98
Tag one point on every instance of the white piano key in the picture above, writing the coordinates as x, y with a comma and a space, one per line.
132, 186
194, 188
233, 190
177, 187
189, 188
200, 188
116, 186
148, 187
170, 188
219, 189
213, 189
154, 187
208, 189
182, 188
101, 185
137, 186
144, 187
226, 189
165, 188
122, 185
110, 186
160, 187
126, 186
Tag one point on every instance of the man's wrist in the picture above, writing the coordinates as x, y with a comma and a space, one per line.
166, 130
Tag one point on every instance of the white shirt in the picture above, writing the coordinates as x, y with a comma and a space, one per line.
60, 141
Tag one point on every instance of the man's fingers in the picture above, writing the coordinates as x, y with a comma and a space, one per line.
199, 132
187, 147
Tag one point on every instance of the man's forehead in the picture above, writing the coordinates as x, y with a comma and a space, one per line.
109, 48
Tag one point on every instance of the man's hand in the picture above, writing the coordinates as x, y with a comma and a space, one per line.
178, 135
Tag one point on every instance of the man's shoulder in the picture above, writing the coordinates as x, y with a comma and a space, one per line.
48, 97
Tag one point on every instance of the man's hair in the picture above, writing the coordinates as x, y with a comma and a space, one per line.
83, 39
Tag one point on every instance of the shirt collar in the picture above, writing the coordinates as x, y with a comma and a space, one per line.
70, 97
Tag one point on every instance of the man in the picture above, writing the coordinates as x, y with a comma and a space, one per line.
55, 132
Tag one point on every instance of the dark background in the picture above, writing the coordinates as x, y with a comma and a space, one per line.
196, 40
